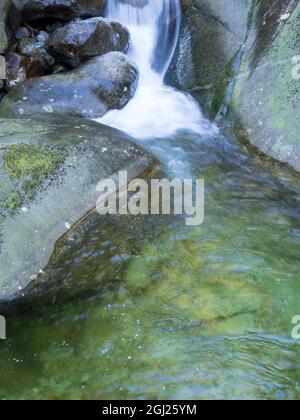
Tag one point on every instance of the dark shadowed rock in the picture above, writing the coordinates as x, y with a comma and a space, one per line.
9, 22
49, 169
102, 83
35, 48
59, 9
20, 68
81, 40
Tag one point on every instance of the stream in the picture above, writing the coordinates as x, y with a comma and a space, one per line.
162, 310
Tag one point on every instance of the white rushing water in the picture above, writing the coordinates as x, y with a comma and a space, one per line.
156, 110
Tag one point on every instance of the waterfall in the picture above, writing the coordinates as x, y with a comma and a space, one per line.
156, 110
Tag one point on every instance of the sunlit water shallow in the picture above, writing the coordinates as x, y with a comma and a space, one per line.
145, 307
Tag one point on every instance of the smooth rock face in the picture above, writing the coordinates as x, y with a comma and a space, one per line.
49, 169
81, 40
59, 9
267, 93
102, 83
211, 36
244, 56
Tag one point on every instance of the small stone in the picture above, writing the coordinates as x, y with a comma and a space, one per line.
22, 33
285, 16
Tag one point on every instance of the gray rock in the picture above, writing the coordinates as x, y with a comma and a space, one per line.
9, 22
81, 40
22, 33
42, 36
211, 36
59, 9
242, 56
102, 83
35, 48
267, 93
49, 169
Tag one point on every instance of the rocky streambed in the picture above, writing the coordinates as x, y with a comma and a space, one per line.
157, 309
64, 62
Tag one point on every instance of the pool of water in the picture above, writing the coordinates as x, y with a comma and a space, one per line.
146, 307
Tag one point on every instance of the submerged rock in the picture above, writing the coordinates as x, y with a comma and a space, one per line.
59, 9
81, 40
100, 84
49, 169
199, 292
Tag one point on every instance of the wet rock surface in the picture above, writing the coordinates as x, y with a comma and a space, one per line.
64, 10
100, 84
81, 40
49, 169
243, 58
266, 97
211, 36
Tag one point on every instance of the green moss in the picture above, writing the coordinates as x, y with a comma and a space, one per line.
28, 166
13, 202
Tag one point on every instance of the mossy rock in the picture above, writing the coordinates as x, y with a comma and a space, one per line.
49, 170
211, 36
267, 93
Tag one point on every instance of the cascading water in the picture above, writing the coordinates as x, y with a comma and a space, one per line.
156, 109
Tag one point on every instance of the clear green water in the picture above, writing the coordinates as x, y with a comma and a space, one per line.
149, 308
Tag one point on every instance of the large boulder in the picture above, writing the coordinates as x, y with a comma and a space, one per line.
49, 169
59, 9
81, 40
267, 93
102, 83
244, 57
211, 37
